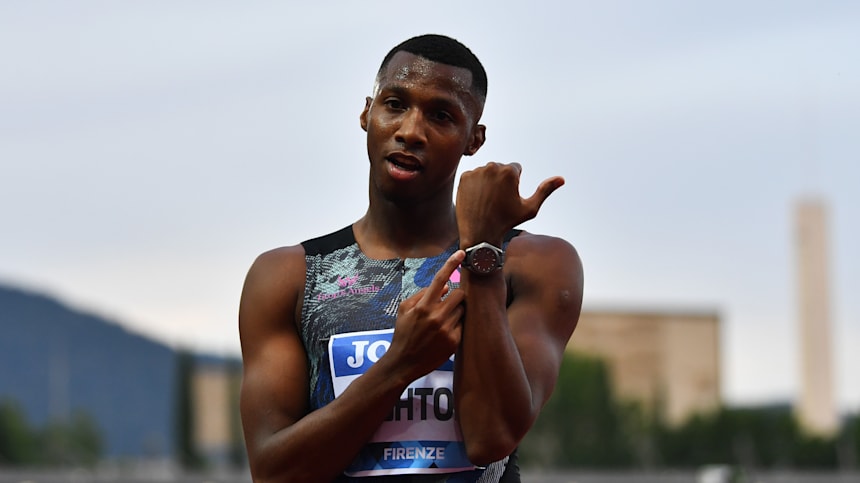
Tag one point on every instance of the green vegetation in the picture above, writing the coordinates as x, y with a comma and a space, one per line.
580, 426
76, 441
584, 426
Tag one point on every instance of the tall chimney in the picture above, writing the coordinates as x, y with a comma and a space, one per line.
816, 409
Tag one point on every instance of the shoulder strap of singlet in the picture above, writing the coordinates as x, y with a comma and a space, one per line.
508, 237
329, 243
511, 234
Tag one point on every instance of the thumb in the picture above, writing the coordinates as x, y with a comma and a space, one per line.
543, 191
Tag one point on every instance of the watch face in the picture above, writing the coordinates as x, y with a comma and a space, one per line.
484, 260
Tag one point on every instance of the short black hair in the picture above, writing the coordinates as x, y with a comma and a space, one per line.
445, 50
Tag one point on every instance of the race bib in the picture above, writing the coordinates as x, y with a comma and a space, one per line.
420, 435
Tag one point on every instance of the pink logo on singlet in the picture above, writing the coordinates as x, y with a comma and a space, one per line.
347, 285
455, 277
347, 281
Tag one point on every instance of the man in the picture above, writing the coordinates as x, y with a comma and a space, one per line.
480, 313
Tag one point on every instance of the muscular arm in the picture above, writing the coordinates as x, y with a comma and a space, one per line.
510, 354
287, 443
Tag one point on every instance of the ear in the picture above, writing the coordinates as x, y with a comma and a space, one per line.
363, 117
479, 135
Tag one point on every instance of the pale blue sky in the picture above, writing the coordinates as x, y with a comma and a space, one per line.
150, 150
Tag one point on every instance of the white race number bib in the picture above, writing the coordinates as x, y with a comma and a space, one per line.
420, 435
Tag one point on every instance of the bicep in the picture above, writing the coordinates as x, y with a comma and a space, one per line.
544, 310
275, 379
274, 388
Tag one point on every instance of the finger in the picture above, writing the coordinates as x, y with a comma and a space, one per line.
543, 191
453, 318
444, 293
410, 302
455, 296
440, 280
517, 166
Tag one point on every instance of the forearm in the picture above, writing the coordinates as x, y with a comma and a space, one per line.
320, 445
495, 405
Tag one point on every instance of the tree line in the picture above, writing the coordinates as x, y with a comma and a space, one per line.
584, 425
61, 442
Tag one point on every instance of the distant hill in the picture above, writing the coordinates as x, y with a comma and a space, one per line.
55, 360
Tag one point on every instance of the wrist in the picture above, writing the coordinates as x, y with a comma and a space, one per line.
398, 373
484, 259
470, 240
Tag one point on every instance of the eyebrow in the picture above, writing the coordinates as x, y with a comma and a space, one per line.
448, 102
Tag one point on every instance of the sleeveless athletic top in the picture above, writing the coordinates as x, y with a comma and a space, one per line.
348, 292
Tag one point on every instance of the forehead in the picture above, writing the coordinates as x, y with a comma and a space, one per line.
407, 70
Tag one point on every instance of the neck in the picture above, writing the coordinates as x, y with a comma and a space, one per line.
400, 230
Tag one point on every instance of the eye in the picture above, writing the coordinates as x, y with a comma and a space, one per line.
443, 116
393, 103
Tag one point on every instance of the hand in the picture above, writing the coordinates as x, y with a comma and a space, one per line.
489, 202
428, 326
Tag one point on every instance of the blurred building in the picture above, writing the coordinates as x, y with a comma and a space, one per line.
216, 425
665, 360
816, 408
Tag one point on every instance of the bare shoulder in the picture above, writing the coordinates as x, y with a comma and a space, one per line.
272, 290
546, 280
283, 261
276, 270
532, 255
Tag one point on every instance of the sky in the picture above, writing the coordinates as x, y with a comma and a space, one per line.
149, 151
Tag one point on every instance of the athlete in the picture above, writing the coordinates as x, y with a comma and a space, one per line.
419, 343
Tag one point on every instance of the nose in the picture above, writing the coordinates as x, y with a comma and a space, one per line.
411, 129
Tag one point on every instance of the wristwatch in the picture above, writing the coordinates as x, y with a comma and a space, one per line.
484, 258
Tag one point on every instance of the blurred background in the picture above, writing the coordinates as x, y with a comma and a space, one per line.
149, 151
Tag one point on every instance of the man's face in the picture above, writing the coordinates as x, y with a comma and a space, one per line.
421, 119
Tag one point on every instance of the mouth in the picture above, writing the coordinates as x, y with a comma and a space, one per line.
405, 162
